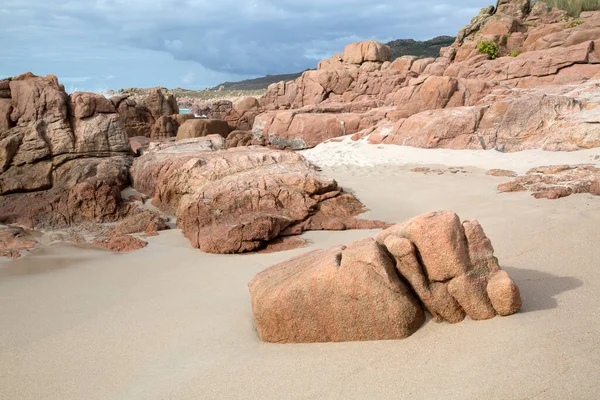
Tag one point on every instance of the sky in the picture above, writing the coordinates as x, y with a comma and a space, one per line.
96, 45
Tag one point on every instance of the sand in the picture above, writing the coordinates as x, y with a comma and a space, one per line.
169, 322
361, 153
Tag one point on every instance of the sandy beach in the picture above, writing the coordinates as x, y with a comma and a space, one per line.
170, 322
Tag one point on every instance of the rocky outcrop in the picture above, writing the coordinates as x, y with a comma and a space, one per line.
239, 139
161, 103
122, 243
136, 118
535, 88
239, 200
195, 128
369, 51
52, 130
304, 128
167, 126
164, 127
554, 182
501, 172
214, 110
379, 289
64, 159
557, 119
155, 116
241, 116
14, 241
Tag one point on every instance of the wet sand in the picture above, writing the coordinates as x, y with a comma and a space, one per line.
169, 322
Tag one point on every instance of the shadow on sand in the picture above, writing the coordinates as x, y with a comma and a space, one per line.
538, 289
51, 258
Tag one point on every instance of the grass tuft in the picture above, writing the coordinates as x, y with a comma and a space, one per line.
489, 48
574, 24
574, 7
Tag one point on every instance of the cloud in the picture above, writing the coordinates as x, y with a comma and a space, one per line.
227, 38
188, 78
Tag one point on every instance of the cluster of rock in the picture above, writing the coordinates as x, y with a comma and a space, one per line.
66, 159
554, 182
376, 289
155, 116
541, 92
64, 162
241, 199
148, 117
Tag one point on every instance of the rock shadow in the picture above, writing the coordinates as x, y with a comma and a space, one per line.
539, 289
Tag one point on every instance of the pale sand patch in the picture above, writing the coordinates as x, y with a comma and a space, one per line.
169, 322
348, 152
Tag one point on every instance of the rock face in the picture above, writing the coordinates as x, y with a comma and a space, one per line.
239, 138
379, 289
136, 118
195, 128
540, 92
369, 51
239, 200
306, 127
63, 160
164, 127
52, 131
156, 115
160, 103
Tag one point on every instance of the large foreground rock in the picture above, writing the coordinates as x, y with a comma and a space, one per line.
378, 289
239, 200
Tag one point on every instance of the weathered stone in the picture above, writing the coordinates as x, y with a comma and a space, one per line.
239, 200
14, 241
160, 103
164, 127
342, 294
371, 50
360, 292
554, 182
504, 294
195, 128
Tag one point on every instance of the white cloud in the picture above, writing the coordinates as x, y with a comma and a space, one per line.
160, 42
188, 78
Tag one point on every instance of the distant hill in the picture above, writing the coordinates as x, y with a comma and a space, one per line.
400, 47
425, 49
257, 83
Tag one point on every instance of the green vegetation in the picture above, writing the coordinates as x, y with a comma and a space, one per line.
574, 24
489, 48
531, 24
422, 49
574, 7
257, 83
515, 53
